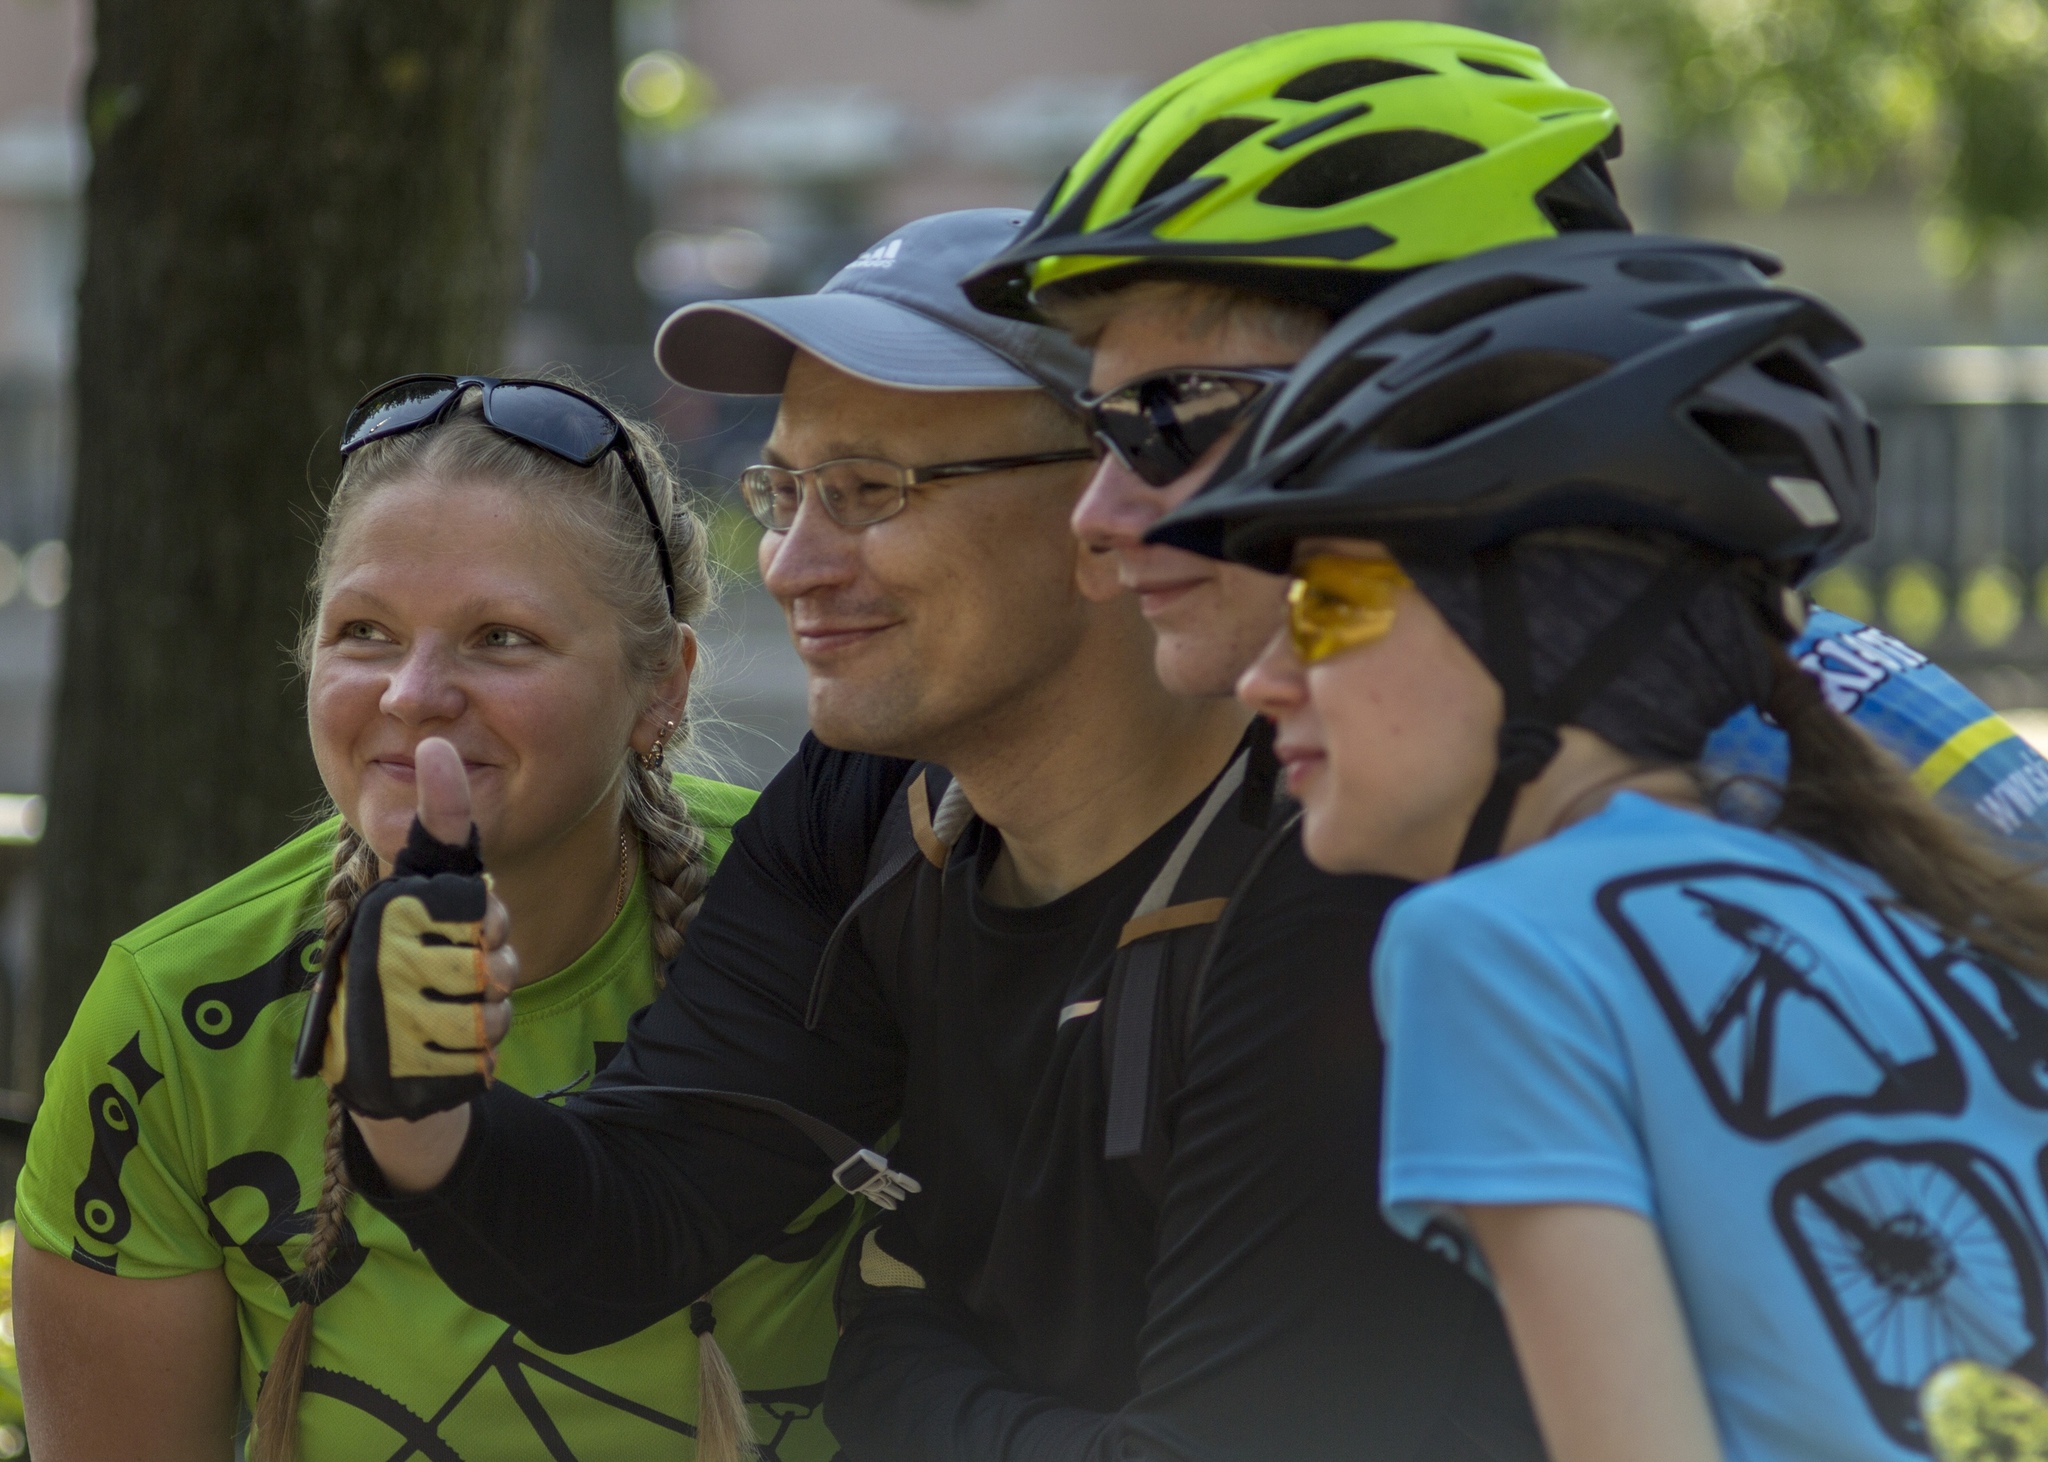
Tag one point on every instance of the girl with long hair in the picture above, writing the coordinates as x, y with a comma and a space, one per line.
1735, 1092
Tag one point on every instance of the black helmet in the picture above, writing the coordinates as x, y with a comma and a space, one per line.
1591, 379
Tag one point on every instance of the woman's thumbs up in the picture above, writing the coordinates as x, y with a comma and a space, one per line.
415, 993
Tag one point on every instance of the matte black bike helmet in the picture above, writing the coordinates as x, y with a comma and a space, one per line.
1594, 380
1623, 380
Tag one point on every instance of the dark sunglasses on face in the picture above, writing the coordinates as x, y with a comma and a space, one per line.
562, 422
1160, 424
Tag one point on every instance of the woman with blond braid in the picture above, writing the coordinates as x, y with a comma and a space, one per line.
509, 568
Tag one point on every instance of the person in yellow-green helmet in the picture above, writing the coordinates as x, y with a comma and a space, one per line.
1212, 233
511, 568
1428, 143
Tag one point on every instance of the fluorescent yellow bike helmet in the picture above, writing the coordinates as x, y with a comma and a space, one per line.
1322, 165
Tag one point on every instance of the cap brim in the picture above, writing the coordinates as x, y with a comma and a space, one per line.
743, 348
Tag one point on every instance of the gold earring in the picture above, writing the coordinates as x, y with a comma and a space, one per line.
651, 758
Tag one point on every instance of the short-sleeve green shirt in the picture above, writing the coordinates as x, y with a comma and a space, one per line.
173, 1139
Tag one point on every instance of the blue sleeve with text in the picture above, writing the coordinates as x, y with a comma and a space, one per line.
1957, 749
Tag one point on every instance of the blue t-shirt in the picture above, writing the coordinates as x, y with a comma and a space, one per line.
1834, 1115
1958, 750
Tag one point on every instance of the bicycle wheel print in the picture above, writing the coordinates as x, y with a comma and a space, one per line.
1917, 1254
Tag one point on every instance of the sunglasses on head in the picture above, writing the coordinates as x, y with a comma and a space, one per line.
559, 421
1338, 603
1160, 424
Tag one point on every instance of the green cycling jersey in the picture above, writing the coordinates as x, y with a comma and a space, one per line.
172, 1140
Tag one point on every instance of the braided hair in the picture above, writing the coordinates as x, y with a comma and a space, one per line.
596, 513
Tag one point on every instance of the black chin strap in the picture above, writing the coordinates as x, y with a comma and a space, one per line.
1528, 737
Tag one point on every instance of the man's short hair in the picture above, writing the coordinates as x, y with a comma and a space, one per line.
1206, 307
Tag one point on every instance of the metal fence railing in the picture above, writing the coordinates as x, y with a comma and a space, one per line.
1959, 563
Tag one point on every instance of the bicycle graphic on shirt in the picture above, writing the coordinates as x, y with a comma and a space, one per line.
515, 1366
2005, 1012
1866, 1042
1917, 1254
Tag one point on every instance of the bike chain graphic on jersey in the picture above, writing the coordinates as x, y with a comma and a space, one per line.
98, 1204
219, 1015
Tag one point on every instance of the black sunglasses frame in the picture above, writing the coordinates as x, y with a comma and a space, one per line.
1168, 449
433, 411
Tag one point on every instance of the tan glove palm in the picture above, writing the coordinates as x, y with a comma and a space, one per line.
402, 1020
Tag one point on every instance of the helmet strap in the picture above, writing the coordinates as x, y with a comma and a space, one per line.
1528, 738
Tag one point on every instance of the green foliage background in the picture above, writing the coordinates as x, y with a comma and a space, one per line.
1826, 93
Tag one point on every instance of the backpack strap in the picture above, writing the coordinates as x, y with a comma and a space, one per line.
857, 1169
910, 830
1288, 827
1133, 994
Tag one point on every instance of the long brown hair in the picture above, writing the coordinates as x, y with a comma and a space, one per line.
1848, 796
596, 513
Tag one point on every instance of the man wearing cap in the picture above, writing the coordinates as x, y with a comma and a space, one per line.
977, 905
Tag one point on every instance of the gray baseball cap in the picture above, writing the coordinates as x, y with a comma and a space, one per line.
896, 315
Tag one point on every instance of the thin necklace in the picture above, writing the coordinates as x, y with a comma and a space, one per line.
625, 867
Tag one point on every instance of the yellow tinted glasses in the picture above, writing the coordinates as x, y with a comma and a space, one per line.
1339, 603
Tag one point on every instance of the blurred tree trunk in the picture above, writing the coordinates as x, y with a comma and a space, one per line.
289, 203
586, 220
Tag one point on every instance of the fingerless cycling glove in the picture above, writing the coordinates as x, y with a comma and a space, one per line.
396, 1022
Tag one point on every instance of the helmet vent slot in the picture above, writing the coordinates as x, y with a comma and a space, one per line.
1757, 442
1316, 126
1300, 473
1481, 394
1449, 311
1701, 308
1338, 77
1365, 164
1203, 146
1494, 68
1581, 199
1330, 387
1669, 270
1783, 365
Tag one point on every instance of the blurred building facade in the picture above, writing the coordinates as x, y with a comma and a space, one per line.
42, 173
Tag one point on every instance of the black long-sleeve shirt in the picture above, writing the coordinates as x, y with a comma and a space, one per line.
1259, 1308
